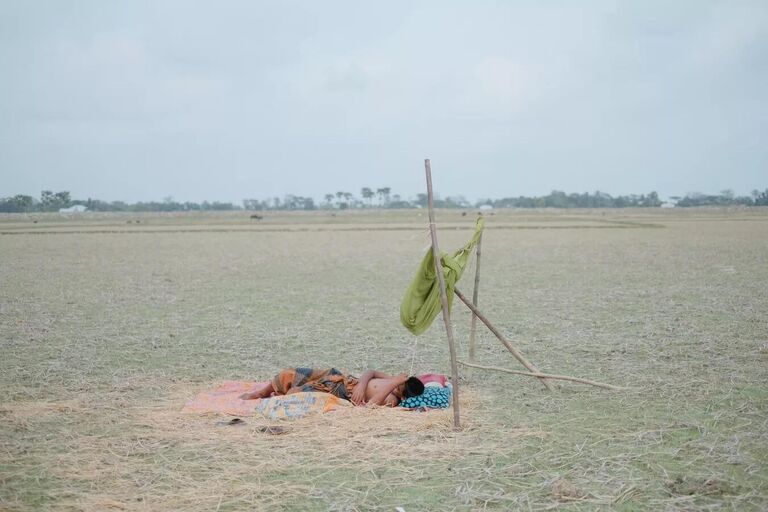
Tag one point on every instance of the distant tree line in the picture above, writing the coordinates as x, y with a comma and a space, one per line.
53, 202
559, 199
383, 198
378, 198
724, 198
48, 202
343, 200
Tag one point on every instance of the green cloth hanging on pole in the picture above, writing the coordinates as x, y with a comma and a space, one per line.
421, 303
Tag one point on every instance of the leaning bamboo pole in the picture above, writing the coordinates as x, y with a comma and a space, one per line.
545, 375
518, 355
443, 297
473, 325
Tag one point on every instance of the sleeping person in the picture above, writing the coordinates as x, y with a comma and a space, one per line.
373, 387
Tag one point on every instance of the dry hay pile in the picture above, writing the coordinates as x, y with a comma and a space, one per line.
157, 458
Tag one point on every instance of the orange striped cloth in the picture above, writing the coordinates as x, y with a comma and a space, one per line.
324, 380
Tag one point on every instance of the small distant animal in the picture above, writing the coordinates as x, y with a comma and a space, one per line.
256, 216
463, 214
34, 221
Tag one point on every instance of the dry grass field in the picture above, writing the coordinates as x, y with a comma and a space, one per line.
109, 323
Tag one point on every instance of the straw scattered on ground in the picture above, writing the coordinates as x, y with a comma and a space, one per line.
105, 335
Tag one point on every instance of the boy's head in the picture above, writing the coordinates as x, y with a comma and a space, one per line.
411, 387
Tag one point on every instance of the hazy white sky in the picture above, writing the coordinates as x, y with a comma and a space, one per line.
233, 99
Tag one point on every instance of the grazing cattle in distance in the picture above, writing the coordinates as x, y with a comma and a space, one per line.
256, 216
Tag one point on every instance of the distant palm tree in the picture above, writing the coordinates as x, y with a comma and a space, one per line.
383, 194
367, 193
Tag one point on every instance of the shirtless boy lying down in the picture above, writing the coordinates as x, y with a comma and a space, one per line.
373, 387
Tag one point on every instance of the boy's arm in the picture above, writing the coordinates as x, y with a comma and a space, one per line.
358, 395
381, 394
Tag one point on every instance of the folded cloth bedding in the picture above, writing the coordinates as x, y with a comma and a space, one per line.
298, 405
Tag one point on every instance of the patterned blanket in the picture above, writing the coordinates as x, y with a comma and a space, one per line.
311, 399
326, 380
226, 399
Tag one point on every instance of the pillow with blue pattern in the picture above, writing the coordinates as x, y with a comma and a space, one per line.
433, 398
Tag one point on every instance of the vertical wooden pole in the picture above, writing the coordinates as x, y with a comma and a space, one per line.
443, 297
473, 325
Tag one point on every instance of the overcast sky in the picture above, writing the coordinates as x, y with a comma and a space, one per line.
227, 100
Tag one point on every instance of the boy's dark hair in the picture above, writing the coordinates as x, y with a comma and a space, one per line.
413, 387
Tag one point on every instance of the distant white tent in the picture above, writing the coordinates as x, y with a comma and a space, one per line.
78, 208
486, 207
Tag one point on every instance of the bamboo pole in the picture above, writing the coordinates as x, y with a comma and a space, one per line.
518, 355
473, 325
443, 297
545, 375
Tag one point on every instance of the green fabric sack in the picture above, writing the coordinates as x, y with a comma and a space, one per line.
421, 303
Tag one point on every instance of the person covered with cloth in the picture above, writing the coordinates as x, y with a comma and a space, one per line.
373, 387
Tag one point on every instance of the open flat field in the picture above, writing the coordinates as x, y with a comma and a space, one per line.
109, 323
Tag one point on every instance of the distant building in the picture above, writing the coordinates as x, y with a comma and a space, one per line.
486, 207
78, 208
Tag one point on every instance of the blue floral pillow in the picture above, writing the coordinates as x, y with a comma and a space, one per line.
433, 398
